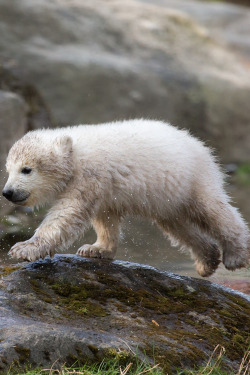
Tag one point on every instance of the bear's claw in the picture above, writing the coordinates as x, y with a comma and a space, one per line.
93, 251
28, 250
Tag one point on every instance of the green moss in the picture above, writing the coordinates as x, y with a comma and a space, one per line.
75, 298
108, 288
122, 357
7, 270
38, 289
23, 353
95, 309
226, 313
94, 349
65, 289
238, 301
238, 339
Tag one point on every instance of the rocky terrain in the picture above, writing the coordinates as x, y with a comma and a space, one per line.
69, 62
73, 309
225, 22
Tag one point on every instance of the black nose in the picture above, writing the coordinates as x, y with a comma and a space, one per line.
8, 194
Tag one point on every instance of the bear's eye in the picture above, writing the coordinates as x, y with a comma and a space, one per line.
26, 170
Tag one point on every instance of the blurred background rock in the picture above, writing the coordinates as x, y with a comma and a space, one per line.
66, 62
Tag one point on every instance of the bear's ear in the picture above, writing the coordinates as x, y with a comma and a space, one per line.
63, 144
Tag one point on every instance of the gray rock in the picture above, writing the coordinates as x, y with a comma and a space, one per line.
13, 125
21, 109
227, 22
100, 61
71, 308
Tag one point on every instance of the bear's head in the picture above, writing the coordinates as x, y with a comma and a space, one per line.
39, 167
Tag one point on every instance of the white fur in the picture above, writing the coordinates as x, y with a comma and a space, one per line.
101, 173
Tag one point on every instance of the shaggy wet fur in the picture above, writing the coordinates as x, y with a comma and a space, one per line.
101, 173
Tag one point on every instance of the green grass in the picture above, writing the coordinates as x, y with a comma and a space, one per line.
113, 367
109, 367
213, 366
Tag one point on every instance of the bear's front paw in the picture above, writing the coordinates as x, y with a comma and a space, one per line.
28, 250
94, 251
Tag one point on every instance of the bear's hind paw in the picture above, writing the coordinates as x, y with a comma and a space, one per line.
233, 261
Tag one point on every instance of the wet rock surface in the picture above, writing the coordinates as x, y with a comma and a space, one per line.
72, 308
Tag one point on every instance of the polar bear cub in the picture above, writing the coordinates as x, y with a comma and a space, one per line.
98, 174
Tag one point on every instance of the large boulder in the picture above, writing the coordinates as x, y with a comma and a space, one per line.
73, 309
226, 22
21, 109
13, 125
98, 61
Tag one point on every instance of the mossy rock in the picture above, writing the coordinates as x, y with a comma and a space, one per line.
73, 308
7, 270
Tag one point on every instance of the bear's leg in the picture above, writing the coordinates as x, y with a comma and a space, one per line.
203, 248
227, 226
107, 229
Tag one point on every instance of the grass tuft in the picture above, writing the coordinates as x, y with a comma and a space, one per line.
113, 367
213, 366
